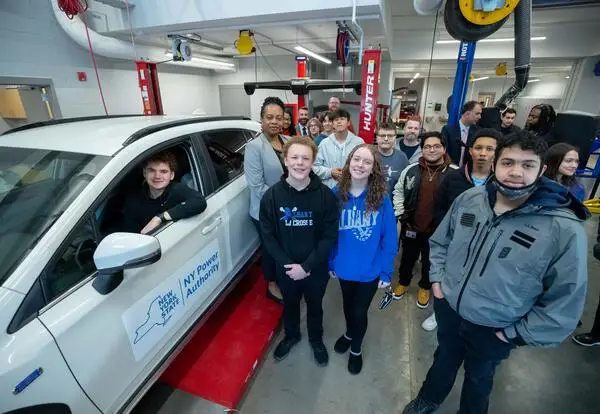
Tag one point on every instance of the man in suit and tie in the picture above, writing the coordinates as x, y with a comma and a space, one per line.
459, 136
302, 128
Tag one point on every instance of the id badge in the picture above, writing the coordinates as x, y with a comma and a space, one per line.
411, 234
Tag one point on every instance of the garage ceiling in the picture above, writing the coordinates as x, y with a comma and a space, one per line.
404, 35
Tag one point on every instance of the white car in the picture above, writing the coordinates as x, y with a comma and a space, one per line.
90, 318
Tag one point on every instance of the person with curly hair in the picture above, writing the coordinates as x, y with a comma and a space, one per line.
540, 122
363, 259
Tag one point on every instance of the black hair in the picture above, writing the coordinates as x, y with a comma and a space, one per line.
432, 134
546, 120
554, 157
469, 106
292, 129
487, 133
340, 113
526, 141
509, 111
271, 100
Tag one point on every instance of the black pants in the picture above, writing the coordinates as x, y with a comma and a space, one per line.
460, 341
595, 332
267, 262
411, 249
312, 288
357, 298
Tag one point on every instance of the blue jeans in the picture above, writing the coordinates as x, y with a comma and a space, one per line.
462, 342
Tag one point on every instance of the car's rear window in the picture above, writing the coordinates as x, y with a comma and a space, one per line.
36, 187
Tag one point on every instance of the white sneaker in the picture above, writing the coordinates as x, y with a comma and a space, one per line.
430, 323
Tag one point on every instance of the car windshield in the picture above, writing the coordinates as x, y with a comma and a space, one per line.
36, 187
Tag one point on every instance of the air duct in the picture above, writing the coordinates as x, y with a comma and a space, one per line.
522, 52
119, 49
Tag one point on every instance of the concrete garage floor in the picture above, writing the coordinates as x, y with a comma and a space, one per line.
397, 354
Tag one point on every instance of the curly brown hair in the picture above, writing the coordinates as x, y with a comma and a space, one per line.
376, 186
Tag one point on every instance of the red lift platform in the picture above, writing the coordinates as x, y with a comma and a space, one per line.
221, 359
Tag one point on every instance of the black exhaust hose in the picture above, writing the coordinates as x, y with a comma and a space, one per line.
522, 52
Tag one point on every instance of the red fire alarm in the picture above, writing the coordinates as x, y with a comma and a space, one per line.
82, 76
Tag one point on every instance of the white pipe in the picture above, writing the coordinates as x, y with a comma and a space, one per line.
119, 49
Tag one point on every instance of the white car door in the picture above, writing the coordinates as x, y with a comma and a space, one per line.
114, 342
229, 145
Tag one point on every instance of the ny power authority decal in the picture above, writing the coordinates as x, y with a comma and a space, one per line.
151, 317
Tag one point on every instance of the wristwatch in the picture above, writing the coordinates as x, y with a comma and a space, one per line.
162, 218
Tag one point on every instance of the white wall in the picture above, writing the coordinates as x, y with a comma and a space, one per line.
438, 92
284, 67
33, 45
550, 89
583, 93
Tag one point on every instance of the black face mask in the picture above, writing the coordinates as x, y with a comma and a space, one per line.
515, 193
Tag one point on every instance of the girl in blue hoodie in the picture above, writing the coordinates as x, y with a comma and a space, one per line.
363, 259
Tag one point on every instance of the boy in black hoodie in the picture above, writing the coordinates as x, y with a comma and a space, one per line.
474, 173
299, 222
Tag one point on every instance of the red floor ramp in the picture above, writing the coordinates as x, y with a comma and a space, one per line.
221, 359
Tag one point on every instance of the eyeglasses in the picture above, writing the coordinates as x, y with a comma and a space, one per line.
435, 147
387, 135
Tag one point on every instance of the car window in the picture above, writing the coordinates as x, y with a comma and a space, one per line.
226, 149
75, 263
36, 187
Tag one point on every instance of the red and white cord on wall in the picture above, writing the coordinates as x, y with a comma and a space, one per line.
72, 8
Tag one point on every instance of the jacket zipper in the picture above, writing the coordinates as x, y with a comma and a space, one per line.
471, 243
462, 290
487, 259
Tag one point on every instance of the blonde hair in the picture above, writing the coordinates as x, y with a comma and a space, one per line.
300, 140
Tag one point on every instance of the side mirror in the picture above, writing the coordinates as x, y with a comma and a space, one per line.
120, 251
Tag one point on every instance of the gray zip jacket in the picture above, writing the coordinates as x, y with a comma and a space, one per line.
332, 154
523, 272
262, 169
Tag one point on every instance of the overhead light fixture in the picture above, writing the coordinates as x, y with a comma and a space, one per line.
209, 61
416, 76
534, 80
312, 54
482, 78
497, 40
412, 80
567, 77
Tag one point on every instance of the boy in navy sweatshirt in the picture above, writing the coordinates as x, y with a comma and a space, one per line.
363, 259
299, 223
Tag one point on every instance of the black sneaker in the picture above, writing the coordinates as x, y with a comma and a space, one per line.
420, 406
284, 347
355, 363
586, 339
320, 353
342, 345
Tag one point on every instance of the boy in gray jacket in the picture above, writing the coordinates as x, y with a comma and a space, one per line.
508, 269
334, 149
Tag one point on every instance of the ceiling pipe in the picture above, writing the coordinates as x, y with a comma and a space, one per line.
522, 52
119, 49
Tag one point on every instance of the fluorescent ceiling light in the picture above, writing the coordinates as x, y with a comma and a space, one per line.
312, 54
496, 40
412, 80
208, 61
416, 76
482, 78
567, 77
534, 80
